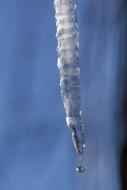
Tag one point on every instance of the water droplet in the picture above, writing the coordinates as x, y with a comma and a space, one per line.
84, 145
80, 168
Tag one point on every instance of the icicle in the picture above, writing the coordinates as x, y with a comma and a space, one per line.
68, 45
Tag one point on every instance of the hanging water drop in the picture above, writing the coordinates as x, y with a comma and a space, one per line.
80, 168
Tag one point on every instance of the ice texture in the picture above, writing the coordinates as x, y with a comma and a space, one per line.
68, 46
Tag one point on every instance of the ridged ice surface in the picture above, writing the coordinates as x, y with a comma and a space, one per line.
68, 45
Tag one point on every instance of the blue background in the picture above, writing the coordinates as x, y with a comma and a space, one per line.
36, 151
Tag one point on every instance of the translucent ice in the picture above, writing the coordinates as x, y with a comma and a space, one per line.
68, 44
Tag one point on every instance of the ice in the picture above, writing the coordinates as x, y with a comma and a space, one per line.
68, 45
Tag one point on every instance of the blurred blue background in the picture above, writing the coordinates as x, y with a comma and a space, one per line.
36, 151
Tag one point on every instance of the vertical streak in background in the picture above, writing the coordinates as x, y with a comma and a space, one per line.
68, 45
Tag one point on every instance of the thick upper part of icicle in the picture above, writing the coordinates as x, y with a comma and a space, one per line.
68, 44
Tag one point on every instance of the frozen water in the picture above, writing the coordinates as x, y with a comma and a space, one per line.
68, 44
